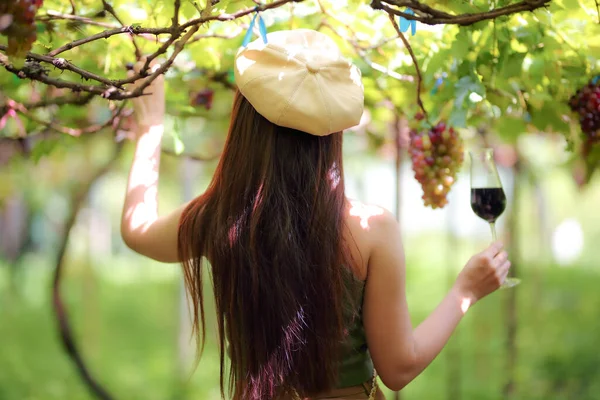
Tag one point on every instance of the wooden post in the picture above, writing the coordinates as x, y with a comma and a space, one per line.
544, 241
510, 310
186, 345
453, 353
399, 124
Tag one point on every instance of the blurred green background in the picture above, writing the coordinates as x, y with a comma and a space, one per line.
133, 333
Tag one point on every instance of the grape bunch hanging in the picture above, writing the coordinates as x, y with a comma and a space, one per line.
437, 155
586, 102
18, 24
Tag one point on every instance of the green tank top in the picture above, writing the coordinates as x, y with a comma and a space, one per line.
355, 365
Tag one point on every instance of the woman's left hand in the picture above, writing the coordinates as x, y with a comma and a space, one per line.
149, 108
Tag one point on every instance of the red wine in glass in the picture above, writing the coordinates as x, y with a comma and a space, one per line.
488, 200
488, 203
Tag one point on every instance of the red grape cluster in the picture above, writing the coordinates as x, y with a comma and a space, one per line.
586, 102
19, 24
436, 156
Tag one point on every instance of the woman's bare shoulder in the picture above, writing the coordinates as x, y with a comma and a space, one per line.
368, 218
367, 224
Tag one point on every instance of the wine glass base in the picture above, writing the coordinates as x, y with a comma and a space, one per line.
510, 282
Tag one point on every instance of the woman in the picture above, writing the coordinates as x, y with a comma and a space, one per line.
309, 286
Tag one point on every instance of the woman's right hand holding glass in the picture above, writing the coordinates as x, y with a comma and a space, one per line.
484, 273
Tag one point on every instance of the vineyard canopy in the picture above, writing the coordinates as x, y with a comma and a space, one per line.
510, 66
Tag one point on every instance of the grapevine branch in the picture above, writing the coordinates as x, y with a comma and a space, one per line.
73, 131
63, 64
431, 16
417, 69
77, 99
362, 53
360, 50
232, 35
109, 9
136, 30
176, 6
53, 15
54, 130
102, 35
201, 36
113, 89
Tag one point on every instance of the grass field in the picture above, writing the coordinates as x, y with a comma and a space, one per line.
126, 319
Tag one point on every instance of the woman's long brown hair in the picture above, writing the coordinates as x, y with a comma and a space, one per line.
271, 225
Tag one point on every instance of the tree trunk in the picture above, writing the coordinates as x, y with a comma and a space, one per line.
64, 326
398, 165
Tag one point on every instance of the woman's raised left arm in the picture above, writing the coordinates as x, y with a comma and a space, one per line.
142, 229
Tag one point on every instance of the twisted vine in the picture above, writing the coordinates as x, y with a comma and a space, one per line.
64, 326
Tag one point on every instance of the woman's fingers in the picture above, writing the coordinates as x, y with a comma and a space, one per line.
502, 271
500, 258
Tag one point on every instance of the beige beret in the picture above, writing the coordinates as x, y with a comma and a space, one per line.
300, 80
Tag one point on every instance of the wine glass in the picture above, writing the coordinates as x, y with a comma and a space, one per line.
488, 200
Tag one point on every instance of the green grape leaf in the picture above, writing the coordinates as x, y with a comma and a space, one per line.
461, 46
537, 70
510, 128
458, 117
464, 87
548, 116
512, 65
43, 148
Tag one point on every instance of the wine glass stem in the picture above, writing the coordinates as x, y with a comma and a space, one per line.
493, 228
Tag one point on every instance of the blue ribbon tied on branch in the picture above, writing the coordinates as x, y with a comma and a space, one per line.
405, 24
438, 83
262, 29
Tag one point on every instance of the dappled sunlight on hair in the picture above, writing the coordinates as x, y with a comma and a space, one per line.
293, 338
334, 175
364, 212
235, 228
